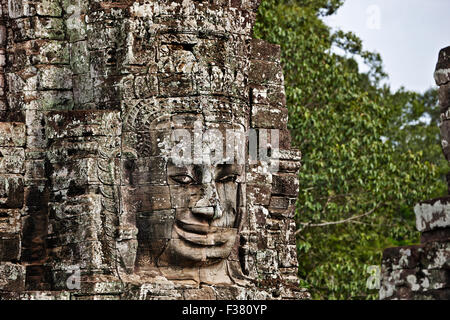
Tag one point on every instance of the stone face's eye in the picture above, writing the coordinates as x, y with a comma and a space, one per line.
227, 178
182, 179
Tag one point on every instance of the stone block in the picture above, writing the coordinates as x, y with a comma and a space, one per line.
145, 171
20, 8
11, 192
410, 284
269, 117
50, 52
288, 256
35, 172
89, 205
9, 248
55, 78
48, 28
263, 50
442, 73
12, 160
73, 174
84, 255
50, 8
12, 277
146, 86
264, 72
38, 277
432, 214
286, 166
49, 100
150, 198
12, 134
430, 256
79, 57
445, 138
259, 194
444, 99
439, 235
175, 85
282, 207
45, 295
268, 95
285, 185
10, 223
82, 89
205, 293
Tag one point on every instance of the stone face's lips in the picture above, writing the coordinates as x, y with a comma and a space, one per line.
196, 228
191, 234
204, 211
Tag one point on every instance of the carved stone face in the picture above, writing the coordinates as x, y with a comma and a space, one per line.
206, 201
187, 192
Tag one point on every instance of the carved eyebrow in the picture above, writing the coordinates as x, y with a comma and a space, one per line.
177, 169
227, 169
174, 170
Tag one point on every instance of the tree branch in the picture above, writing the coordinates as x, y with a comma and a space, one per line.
306, 225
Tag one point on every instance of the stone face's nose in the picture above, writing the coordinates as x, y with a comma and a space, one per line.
208, 207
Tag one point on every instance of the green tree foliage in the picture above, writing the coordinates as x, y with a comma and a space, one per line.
368, 154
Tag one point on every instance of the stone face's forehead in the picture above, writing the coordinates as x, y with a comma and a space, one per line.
188, 139
145, 114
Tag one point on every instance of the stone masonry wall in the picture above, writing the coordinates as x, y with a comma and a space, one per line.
423, 271
75, 75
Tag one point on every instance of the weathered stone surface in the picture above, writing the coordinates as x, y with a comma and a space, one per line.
262, 50
12, 134
12, 277
11, 192
442, 73
430, 256
12, 160
264, 73
432, 215
444, 100
439, 235
445, 138
95, 97
268, 117
413, 284
9, 248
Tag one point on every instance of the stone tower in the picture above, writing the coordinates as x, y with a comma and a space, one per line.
422, 272
95, 96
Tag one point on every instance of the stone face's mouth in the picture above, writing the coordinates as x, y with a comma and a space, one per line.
204, 211
195, 228
202, 235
